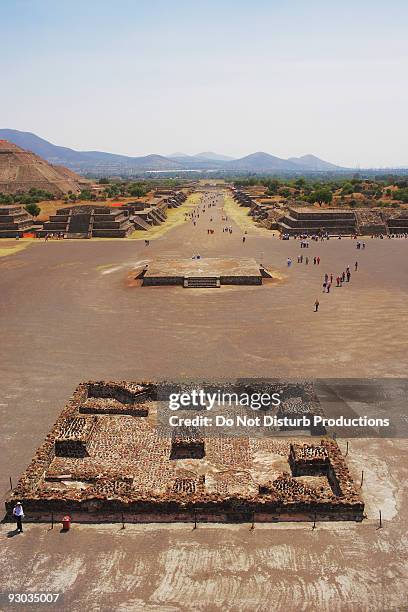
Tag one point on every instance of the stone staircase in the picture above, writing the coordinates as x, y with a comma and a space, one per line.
201, 282
140, 223
79, 225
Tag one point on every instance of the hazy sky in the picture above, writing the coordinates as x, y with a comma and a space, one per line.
288, 77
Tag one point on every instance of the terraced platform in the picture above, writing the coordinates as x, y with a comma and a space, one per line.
313, 221
14, 221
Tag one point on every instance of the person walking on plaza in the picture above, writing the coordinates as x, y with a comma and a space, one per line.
356, 266
318, 260
18, 514
317, 304
348, 275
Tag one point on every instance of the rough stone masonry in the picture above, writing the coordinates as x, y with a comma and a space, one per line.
106, 458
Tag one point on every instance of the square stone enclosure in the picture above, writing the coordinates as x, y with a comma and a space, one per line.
106, 459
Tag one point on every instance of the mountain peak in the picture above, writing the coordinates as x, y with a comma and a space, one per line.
213, 156
312, 162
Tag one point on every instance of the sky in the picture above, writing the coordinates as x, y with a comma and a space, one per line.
292, 77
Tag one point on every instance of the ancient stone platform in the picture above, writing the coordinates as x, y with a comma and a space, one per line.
14, 221
204, 272
106, 458
334, 221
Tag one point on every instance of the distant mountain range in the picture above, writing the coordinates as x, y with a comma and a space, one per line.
99, 162
207, 156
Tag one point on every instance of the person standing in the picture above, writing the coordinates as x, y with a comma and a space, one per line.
18, 514
317, 304
356, 266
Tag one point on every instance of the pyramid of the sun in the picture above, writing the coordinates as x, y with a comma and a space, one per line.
22, 170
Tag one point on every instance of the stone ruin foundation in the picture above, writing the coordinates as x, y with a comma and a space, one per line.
106, 460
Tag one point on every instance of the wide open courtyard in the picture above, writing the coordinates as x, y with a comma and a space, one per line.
69, 313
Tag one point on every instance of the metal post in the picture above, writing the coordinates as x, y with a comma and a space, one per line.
195, 519
314, 521
123, 521
362, 478
347, 448
253, 521
11, 484
380, 520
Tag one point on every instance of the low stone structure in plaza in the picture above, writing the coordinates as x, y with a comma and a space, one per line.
209, 272
15, 221
108, 458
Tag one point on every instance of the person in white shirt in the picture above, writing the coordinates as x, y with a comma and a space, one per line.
18, 513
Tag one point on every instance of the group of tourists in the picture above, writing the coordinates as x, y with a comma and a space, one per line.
344, 277
304, 259
54, 236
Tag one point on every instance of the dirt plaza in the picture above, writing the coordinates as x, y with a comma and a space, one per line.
69, 313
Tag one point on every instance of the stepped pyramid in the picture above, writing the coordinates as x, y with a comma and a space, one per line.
88, 221
22, 170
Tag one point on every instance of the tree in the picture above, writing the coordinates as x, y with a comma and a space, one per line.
137, 190
285, 192
85, 195
300, 182
347, 189
321, 196
33, 209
